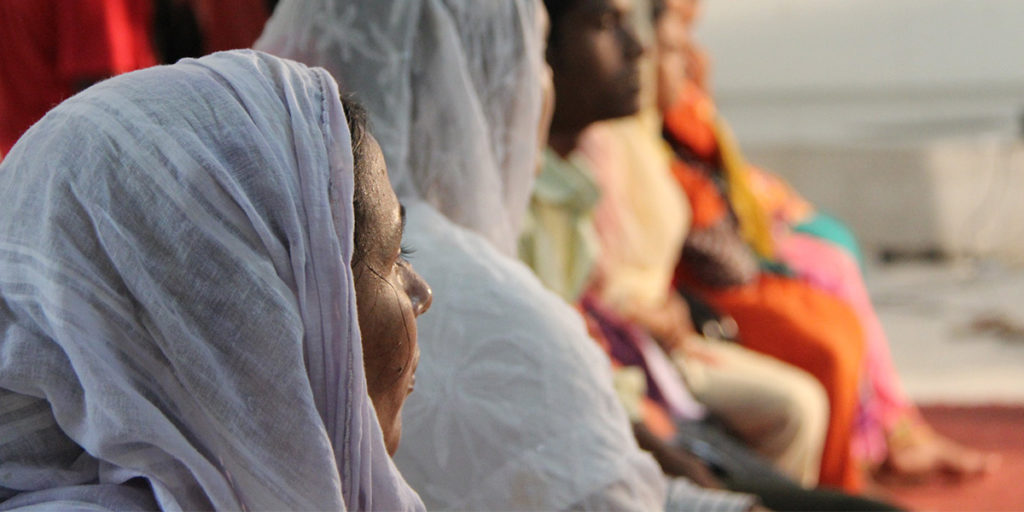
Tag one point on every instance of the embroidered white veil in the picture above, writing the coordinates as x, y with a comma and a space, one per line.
513, 406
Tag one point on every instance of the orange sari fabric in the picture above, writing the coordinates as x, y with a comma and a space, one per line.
797, 324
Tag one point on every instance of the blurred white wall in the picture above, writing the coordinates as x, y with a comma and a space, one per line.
901, 116
867, 69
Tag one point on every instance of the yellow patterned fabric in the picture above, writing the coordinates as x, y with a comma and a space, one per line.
558, 240
754, 224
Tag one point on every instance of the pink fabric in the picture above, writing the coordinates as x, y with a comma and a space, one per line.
883, 402
680, 400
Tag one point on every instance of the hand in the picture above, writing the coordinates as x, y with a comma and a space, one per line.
675, 461
670, 324
701, 353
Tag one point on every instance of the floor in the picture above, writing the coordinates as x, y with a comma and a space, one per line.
957, 335
993, 428
956, 329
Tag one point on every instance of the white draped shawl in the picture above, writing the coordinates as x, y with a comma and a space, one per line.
513, 408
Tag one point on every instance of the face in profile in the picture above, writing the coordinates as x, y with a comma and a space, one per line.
389, 293
673, 42
687, 9
594, 53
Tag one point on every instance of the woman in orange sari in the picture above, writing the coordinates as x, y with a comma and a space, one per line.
889, 433
777, 315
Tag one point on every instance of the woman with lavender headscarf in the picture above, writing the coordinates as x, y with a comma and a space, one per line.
179, 262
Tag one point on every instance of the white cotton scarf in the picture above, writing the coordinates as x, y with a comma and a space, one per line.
176, 301
513, 408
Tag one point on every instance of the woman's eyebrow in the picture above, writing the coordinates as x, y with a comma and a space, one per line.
401, 211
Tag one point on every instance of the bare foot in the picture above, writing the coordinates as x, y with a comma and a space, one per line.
923, 454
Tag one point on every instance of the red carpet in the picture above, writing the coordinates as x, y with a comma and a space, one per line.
998, 429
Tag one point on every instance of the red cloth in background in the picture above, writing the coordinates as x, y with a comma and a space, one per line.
230, 24
48, 48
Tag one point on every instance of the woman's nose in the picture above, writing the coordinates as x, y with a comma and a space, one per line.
419, 293
632, 46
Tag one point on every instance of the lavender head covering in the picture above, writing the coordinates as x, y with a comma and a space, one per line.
176, 301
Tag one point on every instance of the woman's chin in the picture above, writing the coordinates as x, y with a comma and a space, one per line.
393, 437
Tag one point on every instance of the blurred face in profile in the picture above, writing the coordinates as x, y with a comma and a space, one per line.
389, 293
672, 57
688, 9
594, 53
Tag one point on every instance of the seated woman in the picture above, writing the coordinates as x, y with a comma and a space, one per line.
514, 407
606, 223
890, 436
204, 306
646, 229
776, 315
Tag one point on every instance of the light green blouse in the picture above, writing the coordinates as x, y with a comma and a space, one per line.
559, 241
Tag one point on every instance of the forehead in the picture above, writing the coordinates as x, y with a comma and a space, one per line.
622, 5
602, 6
370, 164
382, 206
671, 28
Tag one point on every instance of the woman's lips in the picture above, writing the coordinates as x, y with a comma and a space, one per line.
415, 366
